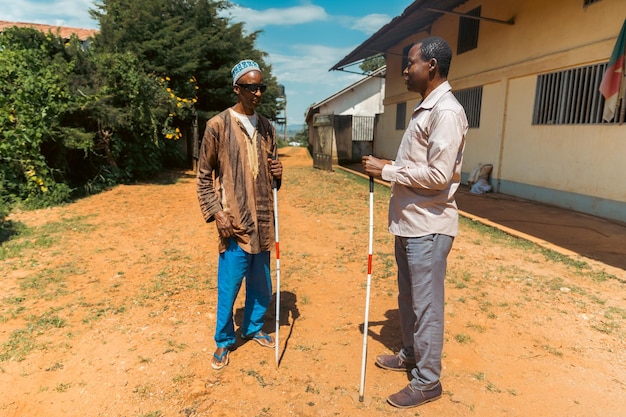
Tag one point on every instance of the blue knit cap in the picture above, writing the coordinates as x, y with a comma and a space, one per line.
242, 68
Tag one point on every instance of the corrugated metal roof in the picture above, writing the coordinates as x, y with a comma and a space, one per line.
415, 18
62, 31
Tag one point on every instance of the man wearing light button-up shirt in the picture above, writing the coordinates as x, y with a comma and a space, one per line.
423, 216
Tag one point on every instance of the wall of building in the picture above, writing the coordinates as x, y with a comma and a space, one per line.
573, 166
365, 99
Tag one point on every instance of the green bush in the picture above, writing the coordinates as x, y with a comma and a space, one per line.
73, 121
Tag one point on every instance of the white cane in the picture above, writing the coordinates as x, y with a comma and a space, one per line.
367, 293
275, 189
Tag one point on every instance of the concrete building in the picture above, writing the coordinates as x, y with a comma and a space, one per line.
527, 72
341, 127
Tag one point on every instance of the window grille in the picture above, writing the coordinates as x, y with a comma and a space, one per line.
362, 128
471, 99
468, 32
571, 97
401, 116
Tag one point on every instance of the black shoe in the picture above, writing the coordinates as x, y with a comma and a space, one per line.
410, 396
393, 363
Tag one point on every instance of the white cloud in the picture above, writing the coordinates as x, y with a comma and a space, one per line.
258, 19
304, 68
309, 66
306, 77
371, 23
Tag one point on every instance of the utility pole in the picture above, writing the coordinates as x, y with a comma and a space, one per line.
282, 117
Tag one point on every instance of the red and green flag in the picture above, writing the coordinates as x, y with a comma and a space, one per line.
612, 83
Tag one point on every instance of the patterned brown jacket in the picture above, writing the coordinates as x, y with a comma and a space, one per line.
226, 181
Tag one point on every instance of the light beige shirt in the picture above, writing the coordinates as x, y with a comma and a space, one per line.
427, 170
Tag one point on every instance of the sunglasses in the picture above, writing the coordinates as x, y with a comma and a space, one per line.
253, 88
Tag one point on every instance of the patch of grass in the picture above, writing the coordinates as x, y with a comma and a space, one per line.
14, 300
47, 321
611, 312
152, 414
257, 376
303, 348
311, 389
597, 300
143, 391
496, 235
42, 281
462, 338
62, 387
491, 387
174, 347
551, 350
476, 327
54, 367
23, 341
34, 239
456, 280
179, 379
189, 411
8, 229
607, 327
19, 344
265, 412
485, 305
554, 256
14, 312
480, 376
601, 276
101, 310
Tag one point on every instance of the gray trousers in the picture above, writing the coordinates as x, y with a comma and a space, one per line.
421, 272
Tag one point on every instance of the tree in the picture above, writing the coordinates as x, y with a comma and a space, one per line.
302, 136
131, 113
75, 119
34, 99
373, 63
184, 40
71, 119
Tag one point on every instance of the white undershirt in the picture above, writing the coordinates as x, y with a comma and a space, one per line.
248, 121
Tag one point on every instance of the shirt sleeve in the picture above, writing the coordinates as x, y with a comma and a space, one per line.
207, 164
442, 151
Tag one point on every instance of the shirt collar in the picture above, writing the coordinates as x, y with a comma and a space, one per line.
434, 96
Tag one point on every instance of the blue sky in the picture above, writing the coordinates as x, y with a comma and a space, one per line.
303, 38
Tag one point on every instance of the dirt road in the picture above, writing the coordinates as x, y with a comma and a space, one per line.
107, 309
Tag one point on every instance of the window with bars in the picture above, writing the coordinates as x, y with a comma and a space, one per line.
401, 116
362, 128
471, 99
468, 32
570, 97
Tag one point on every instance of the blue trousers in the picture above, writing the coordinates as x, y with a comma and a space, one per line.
422, 265
233, 266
